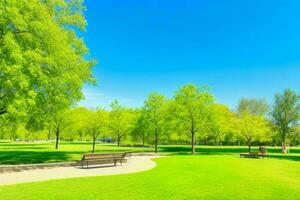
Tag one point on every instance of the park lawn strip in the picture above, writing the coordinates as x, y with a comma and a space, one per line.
44, 152
211, 177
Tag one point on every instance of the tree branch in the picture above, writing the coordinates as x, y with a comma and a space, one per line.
3, 111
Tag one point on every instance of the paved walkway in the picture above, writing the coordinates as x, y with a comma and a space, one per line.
134, 164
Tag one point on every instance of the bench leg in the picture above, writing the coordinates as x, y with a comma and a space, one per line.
115, 162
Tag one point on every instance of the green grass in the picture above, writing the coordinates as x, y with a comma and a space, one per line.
44, 152
209, 177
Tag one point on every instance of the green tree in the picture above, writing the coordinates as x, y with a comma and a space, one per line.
221, 122
120, 121
257, 107
43, 63
80, 117
193, 105
252, 128
285, 113
139, 131
60, 121
295, 136
97, 125
154, 108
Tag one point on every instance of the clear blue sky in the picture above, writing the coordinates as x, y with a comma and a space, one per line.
238, 48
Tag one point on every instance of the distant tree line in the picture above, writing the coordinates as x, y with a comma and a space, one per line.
191, 116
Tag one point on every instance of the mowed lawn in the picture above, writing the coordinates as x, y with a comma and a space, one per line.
44, 152
209, 177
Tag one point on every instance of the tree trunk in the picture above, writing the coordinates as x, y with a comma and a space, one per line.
156, 140
80, 135
94, 143
14, 133
249, 147
119, 141
283, 147
49, 133
57, 138
193, 142
143, 140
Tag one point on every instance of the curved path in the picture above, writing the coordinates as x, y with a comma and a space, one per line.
134, 164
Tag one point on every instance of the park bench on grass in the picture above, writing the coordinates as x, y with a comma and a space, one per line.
254, 155
249, 155
102, 158
262, 153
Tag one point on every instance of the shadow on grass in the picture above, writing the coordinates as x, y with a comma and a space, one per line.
286, 157
185, 150
34, 153
275, 153
34, 157
31, 157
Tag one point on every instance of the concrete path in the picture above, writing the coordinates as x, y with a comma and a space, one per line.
134, 164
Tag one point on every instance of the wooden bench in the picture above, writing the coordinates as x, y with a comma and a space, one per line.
102, 158
253, 155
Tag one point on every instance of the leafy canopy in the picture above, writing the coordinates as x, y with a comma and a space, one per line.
42, 61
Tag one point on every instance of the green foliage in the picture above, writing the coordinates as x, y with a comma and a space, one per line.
192, 109
190, 117
97, 124
252, 127
140, 130
221, 122
81, 118
120, 121
254, 106
42, 62
154, 112
286, 112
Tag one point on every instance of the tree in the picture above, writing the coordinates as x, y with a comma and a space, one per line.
80, 117
97, 124
257, 107
285, 113
193, 105
43, 63
120, 121
154, 108
295, 136
60, 121
139, 131
252, 128
221, 122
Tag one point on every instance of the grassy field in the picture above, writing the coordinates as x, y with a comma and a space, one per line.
44, 152
210, 177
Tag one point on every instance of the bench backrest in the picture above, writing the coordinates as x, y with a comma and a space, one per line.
262, 150
93, 156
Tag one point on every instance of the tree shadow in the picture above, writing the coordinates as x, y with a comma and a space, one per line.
294, 153
32, 157
204, 150
286, 157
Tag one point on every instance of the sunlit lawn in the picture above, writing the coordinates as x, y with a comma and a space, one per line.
209, 177
44, 152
